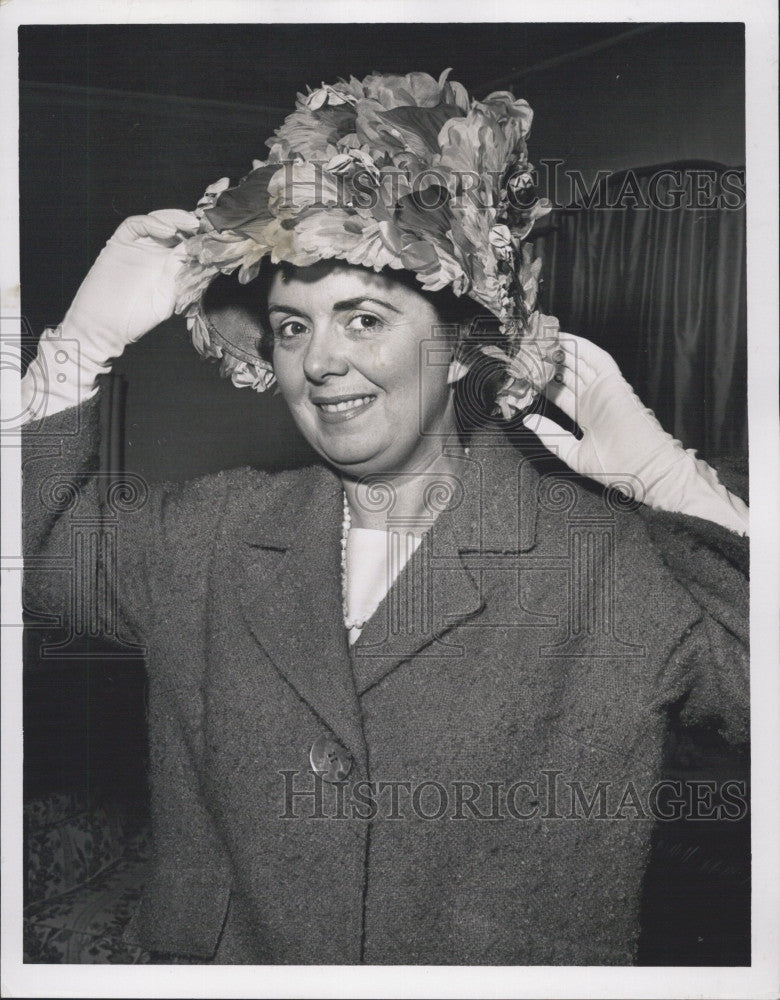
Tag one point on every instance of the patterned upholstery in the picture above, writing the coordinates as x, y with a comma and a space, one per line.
85, 870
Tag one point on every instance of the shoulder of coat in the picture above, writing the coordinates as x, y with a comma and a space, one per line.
242, 495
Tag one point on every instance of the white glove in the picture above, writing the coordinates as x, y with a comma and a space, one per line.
623, 443
128, 291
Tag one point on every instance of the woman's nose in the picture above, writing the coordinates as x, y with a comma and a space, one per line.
325, 354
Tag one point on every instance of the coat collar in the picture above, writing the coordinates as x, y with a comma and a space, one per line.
291, 580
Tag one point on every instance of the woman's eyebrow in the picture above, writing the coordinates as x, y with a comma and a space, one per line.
346, 304
287, 309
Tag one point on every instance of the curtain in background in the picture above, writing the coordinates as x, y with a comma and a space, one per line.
663, 290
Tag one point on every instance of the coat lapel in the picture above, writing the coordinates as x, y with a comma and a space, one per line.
291, 596
494, 511
434, 592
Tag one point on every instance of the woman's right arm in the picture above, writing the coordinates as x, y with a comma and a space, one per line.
128, 291
85, 535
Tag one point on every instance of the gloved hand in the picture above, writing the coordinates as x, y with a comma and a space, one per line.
128, 291
623, 443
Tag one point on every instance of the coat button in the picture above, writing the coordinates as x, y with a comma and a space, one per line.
330, 760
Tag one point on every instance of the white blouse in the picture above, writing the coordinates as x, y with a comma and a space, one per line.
374, 560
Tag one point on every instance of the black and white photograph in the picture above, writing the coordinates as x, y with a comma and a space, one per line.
379, 613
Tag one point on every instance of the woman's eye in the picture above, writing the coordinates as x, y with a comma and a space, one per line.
292, 328
364, 322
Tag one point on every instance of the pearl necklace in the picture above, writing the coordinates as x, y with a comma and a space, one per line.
346, 524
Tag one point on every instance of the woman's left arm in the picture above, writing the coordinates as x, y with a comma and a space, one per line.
623, 444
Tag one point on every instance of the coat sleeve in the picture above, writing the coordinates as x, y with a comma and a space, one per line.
90, 539
709, 669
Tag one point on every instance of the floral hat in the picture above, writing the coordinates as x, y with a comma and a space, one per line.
385, 172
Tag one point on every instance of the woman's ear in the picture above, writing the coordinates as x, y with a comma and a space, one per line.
457, 370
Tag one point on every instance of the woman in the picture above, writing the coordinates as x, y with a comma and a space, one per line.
407, 705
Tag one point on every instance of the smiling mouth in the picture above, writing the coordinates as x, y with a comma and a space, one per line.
339, 410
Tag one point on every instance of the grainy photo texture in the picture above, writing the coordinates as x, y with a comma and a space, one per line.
421, 636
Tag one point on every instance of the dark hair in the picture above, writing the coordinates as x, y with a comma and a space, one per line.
475, 393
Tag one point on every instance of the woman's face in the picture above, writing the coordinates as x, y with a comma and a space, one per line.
350, 359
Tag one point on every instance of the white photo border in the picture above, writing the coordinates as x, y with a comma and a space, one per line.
762, 979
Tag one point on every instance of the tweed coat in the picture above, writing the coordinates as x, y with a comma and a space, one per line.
534, 645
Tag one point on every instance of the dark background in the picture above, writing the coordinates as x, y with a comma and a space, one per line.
119, 120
